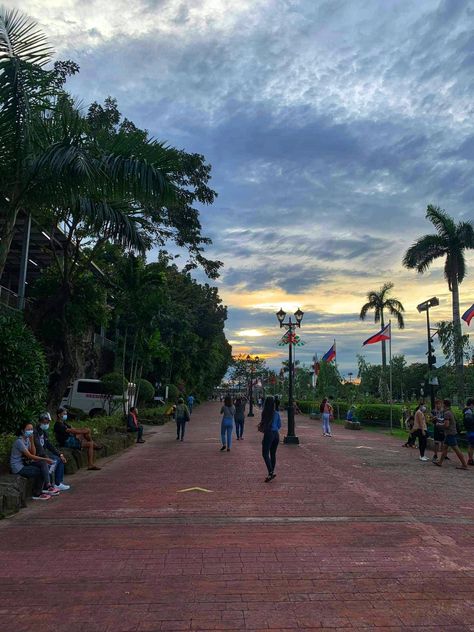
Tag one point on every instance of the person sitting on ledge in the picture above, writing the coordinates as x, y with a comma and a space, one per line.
133, 425
25, 463
75, 438
45, 448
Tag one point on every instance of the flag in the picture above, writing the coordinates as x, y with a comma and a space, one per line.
383, 334
330, 355
468, 315
291, 338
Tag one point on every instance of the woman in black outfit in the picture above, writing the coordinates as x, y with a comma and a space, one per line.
271, 425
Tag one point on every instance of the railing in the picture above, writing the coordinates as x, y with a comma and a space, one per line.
9, 298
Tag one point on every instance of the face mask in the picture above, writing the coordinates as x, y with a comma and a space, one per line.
64, 417
44, 426
28, 433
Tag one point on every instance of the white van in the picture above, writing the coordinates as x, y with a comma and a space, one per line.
89, 396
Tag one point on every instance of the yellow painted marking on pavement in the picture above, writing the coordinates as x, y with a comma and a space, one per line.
195, 489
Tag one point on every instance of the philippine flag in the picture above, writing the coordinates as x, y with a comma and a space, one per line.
330, 355
383, 334
468, 315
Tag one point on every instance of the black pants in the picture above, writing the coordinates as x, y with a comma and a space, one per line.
239, 427
270, 443
422, 441
180, 428
139, 430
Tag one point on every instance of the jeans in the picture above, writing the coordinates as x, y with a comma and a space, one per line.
38, 470
422, 441
139, 430
270, 443
180, 428
226, 432
239, 428
57, 468
326, 426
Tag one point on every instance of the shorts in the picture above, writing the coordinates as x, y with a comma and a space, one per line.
439, 435
73, 443
451, 441
470, 438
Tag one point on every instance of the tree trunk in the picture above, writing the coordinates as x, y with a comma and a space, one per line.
458, 351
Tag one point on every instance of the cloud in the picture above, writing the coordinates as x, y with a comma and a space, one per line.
330, 126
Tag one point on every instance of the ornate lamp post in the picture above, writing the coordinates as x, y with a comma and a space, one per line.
290, 326
251, 362
425, 307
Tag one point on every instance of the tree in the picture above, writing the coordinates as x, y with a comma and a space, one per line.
447, 338
450, 242
380, 301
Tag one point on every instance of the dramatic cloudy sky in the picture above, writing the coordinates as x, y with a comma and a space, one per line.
330, 125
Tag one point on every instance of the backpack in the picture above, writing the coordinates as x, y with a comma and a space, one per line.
468, 419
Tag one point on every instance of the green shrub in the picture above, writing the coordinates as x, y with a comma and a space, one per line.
114, 383
76, 413
153, 416
370, 413
23, 376
173, 393
312, 406
146, 391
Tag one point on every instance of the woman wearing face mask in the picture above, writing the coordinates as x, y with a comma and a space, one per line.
419, 430
24, 462
75, 438
45, 448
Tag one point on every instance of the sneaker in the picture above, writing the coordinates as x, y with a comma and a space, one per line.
424, 458
41, 497
51, 491
446, 458
63, 487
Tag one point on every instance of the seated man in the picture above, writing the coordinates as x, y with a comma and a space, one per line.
75, 438
45, 448
24, 462
133, 425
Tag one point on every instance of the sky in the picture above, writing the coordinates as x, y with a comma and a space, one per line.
330, 126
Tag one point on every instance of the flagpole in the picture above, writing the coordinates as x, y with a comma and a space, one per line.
391, 399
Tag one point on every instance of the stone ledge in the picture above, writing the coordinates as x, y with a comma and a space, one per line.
15, 490
352, 425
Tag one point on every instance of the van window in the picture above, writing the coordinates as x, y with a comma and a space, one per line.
90, 387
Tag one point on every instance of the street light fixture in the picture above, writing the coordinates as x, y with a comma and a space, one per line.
252, 362
425, 307
290, 325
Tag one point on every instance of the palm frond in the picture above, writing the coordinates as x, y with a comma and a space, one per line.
395, 309
465, 234
424, 251
21, 38
443, 223
385, 289
364, 311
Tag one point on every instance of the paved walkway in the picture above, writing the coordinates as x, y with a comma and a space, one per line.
355, 532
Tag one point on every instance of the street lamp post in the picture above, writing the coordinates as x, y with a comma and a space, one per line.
425, 307
290, 325
251, 362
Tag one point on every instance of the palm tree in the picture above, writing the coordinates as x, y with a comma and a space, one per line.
450, 241
380, 301
49, 157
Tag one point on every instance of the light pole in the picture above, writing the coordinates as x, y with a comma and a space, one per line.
251, 363
290, 326
425, 307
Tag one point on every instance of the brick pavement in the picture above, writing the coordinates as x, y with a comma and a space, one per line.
354, 533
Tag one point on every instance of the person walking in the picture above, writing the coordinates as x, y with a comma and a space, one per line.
468, 419
420, 430
182, 416
227, 423
271, 424
326, 414
450, 440
239, 417
437, 418
190, 402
